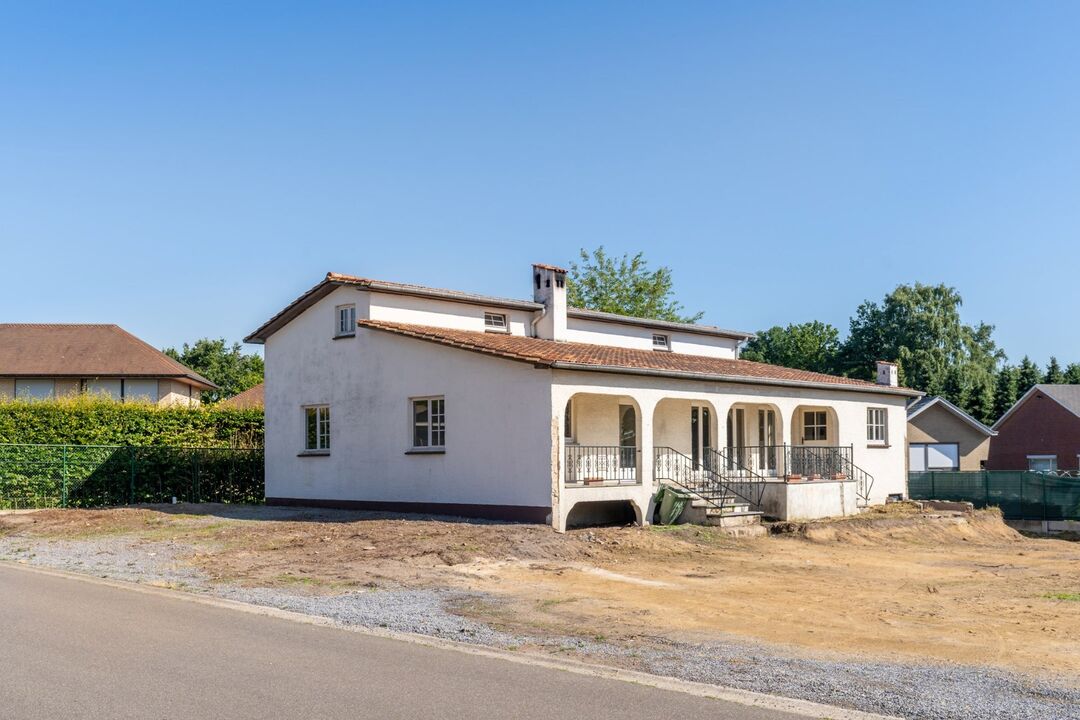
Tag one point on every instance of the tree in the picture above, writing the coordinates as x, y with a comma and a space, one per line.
1006, 390
1029, 376
1054, 374
807, 346
227, 367
625, 286
1072, 374
919, 327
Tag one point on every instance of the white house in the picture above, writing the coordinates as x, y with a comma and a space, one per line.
392, 396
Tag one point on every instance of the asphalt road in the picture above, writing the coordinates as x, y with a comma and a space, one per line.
73, 649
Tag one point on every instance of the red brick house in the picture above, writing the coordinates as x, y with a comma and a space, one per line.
1040, 432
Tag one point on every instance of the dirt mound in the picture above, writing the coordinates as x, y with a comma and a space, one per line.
983, 526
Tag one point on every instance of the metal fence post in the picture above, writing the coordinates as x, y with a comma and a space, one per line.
933, 490
131, 477
64, 480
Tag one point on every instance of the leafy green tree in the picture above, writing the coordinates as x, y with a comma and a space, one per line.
1072, 374
226, 366
1054, 374
806, 346
1006, 389
919, 327
625, 286
1029, 376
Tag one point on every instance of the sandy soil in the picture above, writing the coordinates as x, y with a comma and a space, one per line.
896, 585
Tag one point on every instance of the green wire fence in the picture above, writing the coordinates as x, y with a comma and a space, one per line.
42, 476
1021, 495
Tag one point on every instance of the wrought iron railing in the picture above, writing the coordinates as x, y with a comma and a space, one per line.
707, 479
601, 465
742, 479
808, 461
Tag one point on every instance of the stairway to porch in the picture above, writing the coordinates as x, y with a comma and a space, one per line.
722, 493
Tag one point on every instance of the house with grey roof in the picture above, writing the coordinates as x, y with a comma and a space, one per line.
941, 436
1041, 432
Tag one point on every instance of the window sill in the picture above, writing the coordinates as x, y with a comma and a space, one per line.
878, 446
496, 331
346, 335
426, 451
313, 453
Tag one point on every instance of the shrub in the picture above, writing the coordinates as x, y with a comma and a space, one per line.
85, 420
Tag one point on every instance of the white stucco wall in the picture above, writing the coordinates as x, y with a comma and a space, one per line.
809, 500
640, 338
440, 313
498, 418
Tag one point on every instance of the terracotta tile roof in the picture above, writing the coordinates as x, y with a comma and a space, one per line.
582, 356
253, 397
84, 351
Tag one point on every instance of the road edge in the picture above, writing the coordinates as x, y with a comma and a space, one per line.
794, 706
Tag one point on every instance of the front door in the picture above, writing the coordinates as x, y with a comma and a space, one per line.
700, 436
627, 436
766, 455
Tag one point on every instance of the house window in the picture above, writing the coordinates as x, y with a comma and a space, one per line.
495, 322
346, 321
660, 342
815, 425
317, 428
877, 420
933, 456
429, 422
1042, 463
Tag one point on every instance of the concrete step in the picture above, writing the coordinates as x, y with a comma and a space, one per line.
734, 519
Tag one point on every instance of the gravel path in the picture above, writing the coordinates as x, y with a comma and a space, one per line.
922, 691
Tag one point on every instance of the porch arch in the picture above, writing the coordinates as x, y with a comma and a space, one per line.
754, 432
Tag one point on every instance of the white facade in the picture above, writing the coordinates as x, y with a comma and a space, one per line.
500, 423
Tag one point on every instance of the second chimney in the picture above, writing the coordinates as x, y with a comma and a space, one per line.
887, 373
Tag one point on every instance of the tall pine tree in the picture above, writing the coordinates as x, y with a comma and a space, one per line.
1072, 374
1029, 376
1006, 390
1054, 374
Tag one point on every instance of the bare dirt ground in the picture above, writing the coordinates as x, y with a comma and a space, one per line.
896, 584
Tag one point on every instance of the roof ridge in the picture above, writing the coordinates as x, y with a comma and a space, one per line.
587, 356
153, 353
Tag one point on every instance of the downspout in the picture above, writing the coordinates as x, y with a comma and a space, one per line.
536, 320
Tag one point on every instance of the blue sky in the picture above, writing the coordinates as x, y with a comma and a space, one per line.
185, 170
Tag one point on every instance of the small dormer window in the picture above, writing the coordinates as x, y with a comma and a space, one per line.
495, 322
660, 342
346, 321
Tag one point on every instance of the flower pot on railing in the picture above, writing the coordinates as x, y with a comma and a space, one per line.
594, 481
795, 478
839, 476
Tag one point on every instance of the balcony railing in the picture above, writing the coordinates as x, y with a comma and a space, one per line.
787, 460
601, 465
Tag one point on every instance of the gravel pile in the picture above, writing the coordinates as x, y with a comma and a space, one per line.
919, 691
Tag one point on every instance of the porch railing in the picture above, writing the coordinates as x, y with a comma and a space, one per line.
601, 465
808, 461
707, 479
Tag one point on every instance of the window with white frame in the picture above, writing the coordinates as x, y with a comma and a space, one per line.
1042, 463
877, 426
815, 425
346, 321
933, 456
495, 322
317, 428
429, 422
660, 342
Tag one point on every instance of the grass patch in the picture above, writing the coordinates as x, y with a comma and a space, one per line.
1071, 597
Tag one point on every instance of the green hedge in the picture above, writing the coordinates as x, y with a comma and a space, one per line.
92, 421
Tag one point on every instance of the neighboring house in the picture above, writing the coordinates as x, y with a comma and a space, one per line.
252, 398
45, 361
1040, 432
391, 396
941, 436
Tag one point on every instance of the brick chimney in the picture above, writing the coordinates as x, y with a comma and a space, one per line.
549, 288
887, 373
